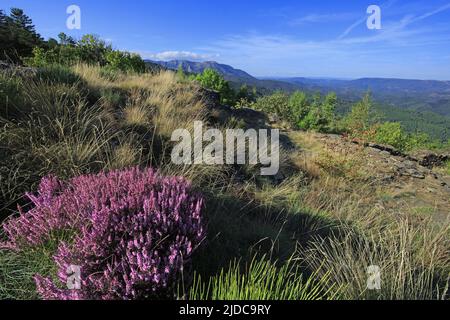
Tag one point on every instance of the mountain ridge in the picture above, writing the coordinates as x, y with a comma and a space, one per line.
404, 100
229, 72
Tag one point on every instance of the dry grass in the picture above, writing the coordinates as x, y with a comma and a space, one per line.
413, 262
107, 122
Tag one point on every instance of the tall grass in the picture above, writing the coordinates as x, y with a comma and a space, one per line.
262, 280
71, 121
413, 262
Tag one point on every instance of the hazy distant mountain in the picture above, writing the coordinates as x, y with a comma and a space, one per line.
399, 97
421, 95
235, 76
375, 84
229, 73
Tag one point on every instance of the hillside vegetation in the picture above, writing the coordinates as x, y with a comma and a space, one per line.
79, 138
419, 105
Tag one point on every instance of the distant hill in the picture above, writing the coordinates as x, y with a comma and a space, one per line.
229, 73
419, 95
422, 105
235, 76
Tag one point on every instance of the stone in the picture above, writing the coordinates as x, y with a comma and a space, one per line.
413, 173
431, 159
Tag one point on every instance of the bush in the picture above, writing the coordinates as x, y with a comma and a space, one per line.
93, 50
66, 55
211, 79
276, 104
18, 36
125, 61
134, 233
320, 116
299, 111
358, 121
298, 106
392, 133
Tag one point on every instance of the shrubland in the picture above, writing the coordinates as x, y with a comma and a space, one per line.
79, 136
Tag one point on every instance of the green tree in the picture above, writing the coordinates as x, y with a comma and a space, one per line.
93, 50
64, 39
180, 72
275, 104
316, 119
359, 119
125, 61
246, 93
51, 43
392, 133
211, 79
18, 35
329, 106
298, 106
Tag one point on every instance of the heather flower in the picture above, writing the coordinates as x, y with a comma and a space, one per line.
135, 232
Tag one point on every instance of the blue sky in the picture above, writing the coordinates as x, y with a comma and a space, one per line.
269, 38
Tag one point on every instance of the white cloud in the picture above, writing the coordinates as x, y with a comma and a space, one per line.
362, 20
372, 54
322, 18
178, 55
406, 21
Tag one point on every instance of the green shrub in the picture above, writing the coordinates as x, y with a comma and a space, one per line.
66, 55
18, 36
358, 121
109, 73
321, 114
392, 133
276, 104
315, 120
299, 106
329, 108
246, 94
112, 98
180, 73
211, 79
299, 111
125, 61
93, 50
90, 50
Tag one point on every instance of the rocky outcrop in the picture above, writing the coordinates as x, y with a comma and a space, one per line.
384, 147
431, 159
388, 164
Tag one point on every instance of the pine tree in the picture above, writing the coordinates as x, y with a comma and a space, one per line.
180, 72
6, 43
64, 39
18, 35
